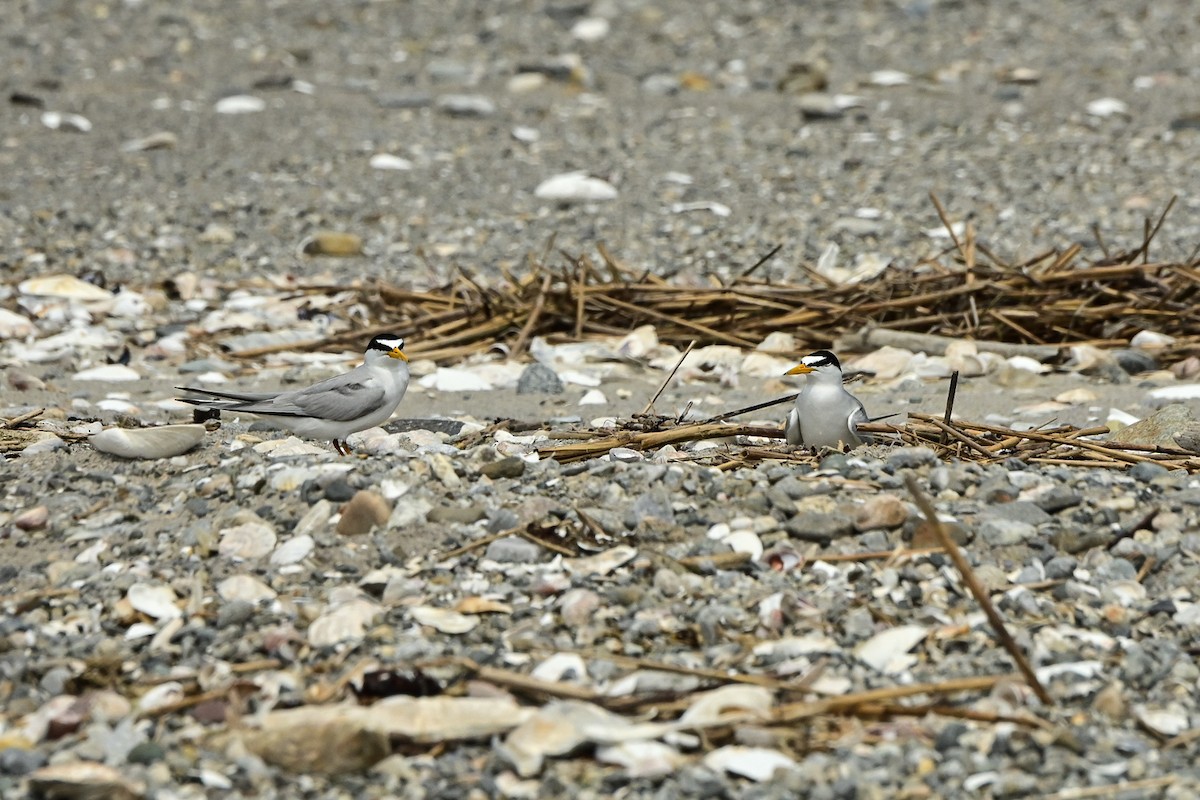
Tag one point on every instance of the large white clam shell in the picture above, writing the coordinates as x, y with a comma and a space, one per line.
161, 442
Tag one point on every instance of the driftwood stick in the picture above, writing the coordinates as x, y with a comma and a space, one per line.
872, 338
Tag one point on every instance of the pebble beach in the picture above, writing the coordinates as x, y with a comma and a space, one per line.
190, 195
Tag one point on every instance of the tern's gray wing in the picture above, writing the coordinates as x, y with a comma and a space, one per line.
858, 417
340, 398
792, 431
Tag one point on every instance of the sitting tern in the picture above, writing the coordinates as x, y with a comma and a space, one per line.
826, 415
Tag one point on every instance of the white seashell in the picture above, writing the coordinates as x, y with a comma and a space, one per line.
778, 342
58, 121
293, 551
153, 601
1120, 419
523, 133
139, 630
389, 161
600, 563
593, 397
164, 694
745, 542
68, 287
163, 140
110, 373
756, 763
452, 379
719, 531
717, 209
791, 647
1107, 107
211, 779
239, 104
638, 342
712, 706
563, 667
579, 378
164, 441
1077, 396
14, 326
290, 447
526, 82
1186, 614
1026, 363
47, 444
129, 305
117, 405
941, 234
244, 587
344, 622
1151, 340
590, 29
1186, 391
443, 619
249, 540
1162, 721
81, 780
642, 759
575, 187
761, 365
889, 77
974, 783
886, 363
626, 454
887, 651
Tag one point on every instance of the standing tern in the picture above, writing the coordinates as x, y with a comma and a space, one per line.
334, 408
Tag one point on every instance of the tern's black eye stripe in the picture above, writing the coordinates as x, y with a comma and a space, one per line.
386, 343
822, 358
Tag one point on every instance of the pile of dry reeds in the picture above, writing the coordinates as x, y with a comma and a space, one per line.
1054, 299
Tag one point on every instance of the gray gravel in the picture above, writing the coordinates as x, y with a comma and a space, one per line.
128, 585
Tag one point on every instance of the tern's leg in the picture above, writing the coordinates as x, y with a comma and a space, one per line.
340, 446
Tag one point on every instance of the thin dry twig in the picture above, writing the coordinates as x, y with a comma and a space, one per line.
666, 381
977, 589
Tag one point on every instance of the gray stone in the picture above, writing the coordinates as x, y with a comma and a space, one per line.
463, 515
1061, 567
511, 467
235, 613
465, 105
814, 526
1020, 511
537, 378
780, 501
513, 550
1006, 532
55, 680
339, 490
911, 457
655, 503
146, 753
15, 761
1058, 498
1157, 429
404, 100
1147, 471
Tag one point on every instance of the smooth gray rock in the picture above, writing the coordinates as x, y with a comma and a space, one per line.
537, 378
